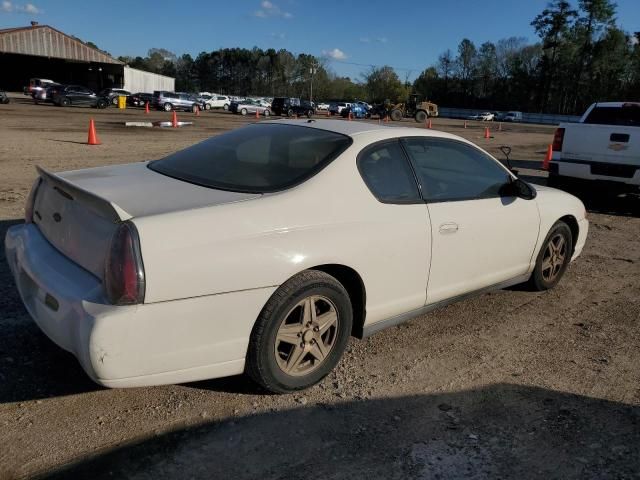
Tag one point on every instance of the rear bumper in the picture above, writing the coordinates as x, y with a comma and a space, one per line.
129, 346
584, 169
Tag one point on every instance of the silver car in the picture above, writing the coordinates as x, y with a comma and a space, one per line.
250, 106
169, 101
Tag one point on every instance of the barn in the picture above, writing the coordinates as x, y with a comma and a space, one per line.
41, 51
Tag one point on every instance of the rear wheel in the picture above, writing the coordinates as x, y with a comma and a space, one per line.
553, 259
225, 106
300, 334
207, 106
290, 113
267, 113
421, 116
102, 103
309, 113
167, 107
396, 115
65, 102
243, 111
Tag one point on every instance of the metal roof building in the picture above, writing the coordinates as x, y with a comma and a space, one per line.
41, 51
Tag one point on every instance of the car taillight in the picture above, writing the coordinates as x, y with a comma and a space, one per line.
31, 200
558, 138
124, 281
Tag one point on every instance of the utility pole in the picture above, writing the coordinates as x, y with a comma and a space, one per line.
312, 70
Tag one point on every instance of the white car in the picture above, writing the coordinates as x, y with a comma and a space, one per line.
262, 250
485, 117
220, 101
322, 106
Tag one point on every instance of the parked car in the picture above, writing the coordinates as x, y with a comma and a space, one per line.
322, 106
4, 99
356, 110
364, 105
484, 116
169, 101
603, 147
46, 94
112, 94
290, 107
140, 99
77, 95
110, 258
250, 107
513, 117
262, 102
220, 101
207, 100
36, 84
335, 108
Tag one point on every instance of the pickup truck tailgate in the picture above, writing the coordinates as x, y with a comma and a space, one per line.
602, 143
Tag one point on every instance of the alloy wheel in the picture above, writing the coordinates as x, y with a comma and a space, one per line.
554, 257
306, 336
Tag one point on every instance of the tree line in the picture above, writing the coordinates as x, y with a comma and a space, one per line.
582, 56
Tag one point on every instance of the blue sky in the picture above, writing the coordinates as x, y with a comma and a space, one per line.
406, 34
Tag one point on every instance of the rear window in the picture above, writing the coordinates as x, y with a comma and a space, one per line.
627, 115
258, 158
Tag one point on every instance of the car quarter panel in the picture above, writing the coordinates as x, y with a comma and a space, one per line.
332, 218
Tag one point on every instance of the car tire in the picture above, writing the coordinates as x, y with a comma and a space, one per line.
396, 115
194, 108
553, 258
243, 112
421, 116
225, 106
284, 353
267, 113
65, 102
290, 113
114, 100
309, 113
207, 106
167, 107
102, 104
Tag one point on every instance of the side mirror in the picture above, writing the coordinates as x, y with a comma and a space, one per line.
518, 188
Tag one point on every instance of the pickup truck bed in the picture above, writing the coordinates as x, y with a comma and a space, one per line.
603, 146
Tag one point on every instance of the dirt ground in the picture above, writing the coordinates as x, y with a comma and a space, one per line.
511, 384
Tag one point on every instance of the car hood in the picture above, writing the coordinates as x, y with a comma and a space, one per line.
136, 190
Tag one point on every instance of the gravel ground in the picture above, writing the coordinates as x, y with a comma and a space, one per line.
512, 384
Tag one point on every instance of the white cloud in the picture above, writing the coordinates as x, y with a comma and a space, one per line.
29, 8
336, 54
279, 36
382, 39
270, 9
365, 39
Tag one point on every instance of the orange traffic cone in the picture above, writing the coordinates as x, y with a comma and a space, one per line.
465, 124
174, 120
197, 111
486, 132
257, 113
146, 107
93, 137
547, 157
429, 124
349, 116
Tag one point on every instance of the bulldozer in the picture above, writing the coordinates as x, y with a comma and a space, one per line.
420, 111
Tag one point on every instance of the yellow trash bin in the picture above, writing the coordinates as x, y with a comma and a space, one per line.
122, 101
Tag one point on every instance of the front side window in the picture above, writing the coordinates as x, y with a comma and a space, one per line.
451, 171
387, 173
258, 158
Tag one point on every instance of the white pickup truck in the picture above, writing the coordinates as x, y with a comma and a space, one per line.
603, 146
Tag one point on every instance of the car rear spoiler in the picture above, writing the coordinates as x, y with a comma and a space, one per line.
96, 204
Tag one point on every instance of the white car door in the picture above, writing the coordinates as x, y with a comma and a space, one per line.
480, 238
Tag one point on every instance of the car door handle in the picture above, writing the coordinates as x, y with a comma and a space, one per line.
449, 227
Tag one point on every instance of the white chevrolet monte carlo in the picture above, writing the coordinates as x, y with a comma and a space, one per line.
262, 250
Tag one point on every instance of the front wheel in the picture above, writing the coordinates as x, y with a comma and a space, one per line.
553, 259
421, 116
225, 106
309, 113
102, 104
290, 113
207, 106
300, 334
65, 102
167, 107
267, 113
243, 112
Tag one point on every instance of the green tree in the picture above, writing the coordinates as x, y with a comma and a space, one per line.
383, 83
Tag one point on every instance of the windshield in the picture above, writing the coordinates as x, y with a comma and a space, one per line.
258, 158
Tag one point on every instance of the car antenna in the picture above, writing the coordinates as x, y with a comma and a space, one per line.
506, 151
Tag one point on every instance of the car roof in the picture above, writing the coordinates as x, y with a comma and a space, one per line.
352, 129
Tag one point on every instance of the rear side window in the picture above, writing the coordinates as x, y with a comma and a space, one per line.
258, 158
387, 173
627, 115
452, 171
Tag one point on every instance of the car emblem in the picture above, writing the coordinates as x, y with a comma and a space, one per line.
57, 217
616, 147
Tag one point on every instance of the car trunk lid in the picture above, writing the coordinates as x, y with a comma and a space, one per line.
78, 211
